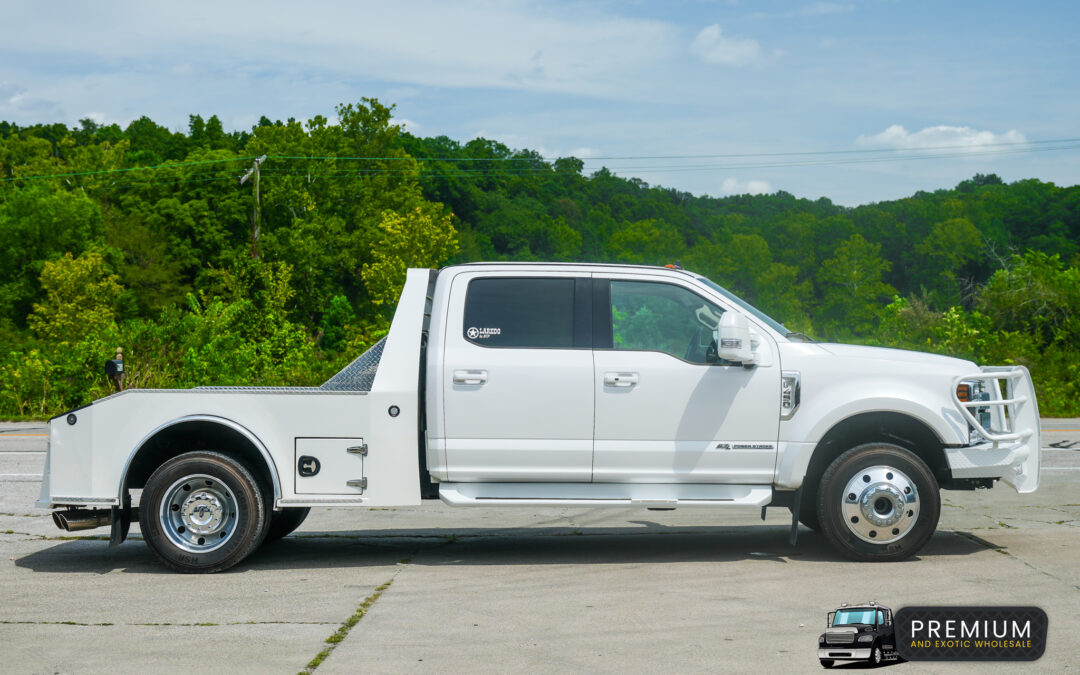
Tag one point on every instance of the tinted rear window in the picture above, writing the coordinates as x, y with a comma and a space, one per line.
517, 312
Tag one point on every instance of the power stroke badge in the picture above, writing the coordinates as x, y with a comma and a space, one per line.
971, 633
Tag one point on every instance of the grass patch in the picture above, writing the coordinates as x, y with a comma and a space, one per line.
335, 639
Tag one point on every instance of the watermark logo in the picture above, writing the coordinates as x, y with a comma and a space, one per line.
971, 633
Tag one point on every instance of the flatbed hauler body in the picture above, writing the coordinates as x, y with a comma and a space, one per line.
557, 384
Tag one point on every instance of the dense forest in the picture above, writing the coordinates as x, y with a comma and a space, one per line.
273, 257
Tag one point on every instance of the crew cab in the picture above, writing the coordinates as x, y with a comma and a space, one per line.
539, 384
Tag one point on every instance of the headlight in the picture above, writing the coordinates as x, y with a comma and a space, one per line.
821, 639
866, 638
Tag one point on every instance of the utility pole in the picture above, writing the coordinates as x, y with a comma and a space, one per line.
257, 211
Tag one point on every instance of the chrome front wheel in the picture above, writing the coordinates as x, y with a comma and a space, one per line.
880, 504
878, 501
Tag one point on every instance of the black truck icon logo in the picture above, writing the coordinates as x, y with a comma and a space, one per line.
858, 633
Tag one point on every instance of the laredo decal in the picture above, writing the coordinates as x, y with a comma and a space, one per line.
971, 633
474, 333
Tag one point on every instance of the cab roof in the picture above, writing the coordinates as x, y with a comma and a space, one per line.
519, 263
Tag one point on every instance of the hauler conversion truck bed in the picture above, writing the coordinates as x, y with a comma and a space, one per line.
556, 384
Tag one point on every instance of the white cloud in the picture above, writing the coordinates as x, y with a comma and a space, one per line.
584, 153
941, 136
733, 186
470, 43
711, 46
9, 91
405, 123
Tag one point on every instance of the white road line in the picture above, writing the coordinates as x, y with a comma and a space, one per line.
19, 475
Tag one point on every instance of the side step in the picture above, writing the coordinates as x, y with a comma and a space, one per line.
646, 495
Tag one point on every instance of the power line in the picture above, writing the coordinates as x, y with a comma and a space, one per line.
828, 158
547, 171
134, 168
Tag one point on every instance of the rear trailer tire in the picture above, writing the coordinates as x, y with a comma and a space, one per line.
285, 521
202, 512
878, 502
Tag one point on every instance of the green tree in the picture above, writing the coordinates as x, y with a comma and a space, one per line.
853, 289
423, 238
80, 298
38, 224
648, 242
951, 245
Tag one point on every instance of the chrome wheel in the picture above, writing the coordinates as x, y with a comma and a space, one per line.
198, 513
880, 504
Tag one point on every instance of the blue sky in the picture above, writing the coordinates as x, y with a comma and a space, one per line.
963, 87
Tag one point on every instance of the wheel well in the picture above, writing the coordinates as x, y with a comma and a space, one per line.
194, 435
881, 427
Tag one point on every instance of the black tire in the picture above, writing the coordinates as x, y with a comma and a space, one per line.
202, 512
875, 656
878, 502
826, 663
285, 521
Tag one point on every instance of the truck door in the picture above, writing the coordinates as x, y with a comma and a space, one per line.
664, 413
517, 378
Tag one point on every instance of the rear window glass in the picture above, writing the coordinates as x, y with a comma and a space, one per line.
520, 312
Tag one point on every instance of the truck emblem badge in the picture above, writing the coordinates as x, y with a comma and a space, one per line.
473, 333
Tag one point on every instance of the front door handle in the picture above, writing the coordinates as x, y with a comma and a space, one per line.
620, 379
470, 376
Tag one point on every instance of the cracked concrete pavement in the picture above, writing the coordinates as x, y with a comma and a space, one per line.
517, 590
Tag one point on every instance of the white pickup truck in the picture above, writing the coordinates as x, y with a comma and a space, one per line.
556, 384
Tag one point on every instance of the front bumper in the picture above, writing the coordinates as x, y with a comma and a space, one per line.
839, 653
1009, 447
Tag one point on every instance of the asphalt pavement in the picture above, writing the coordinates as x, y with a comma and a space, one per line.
436, 589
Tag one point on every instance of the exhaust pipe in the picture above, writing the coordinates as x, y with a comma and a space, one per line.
74, 520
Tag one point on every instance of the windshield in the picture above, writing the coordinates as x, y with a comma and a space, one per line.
757, 313
846, 617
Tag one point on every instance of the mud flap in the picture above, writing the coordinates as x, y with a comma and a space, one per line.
121, 522
793, 538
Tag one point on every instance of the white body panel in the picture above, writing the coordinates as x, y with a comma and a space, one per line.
520, 414
684, 422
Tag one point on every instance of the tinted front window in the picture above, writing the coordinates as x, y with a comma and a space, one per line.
664, 318
536, 313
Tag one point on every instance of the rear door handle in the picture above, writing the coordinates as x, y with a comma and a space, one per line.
620, 379
470, 376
